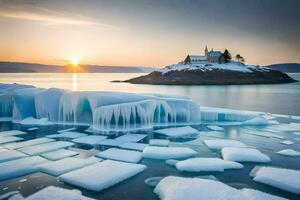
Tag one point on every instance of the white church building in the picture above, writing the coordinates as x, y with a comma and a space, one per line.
209, 57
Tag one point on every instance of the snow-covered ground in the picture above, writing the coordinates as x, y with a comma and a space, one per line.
207, 66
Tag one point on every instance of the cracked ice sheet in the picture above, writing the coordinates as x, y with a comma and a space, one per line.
178, 131
8, 139
102, 175
46, 147
66, 165
11, 133
17, 145
121, 155
11, 155
68, 135
90, 139
20, 167
59, 154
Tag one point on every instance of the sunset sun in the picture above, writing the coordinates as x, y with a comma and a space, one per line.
74, 60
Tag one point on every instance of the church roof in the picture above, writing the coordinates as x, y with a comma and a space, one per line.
198, 58
214, 53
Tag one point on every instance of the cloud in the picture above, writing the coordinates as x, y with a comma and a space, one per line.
31, 11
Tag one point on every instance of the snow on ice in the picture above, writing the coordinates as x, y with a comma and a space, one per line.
206, 165
284, 179
121, 155
165, 153
244, 155
102, 175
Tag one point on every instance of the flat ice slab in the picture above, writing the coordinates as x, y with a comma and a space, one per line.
68, 135
52, 193
131, 137
215, 128
206, 165
178, 132
284, 179
244, 155
59, 154
289, 152
17, 145
250, 194
46, 147
110, 143
11, 155
102, 175
89, 140
60, 167
11, 133
180, 188
159, 142
287, 142
218, 144
121, 155
65, 130
20, 167
133, 146
165, 153
9, 139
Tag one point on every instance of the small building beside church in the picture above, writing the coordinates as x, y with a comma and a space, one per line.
209, 56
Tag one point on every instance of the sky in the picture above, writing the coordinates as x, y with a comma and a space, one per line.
148, 32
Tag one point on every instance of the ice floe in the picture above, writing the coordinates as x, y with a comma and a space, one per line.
215, 128
206, 165
131, 137
284, 179
11, 133
180, 188
56, 193
218, 144
165, 153
244, 155
89, 140
289, 152
68, 129
45, 147
159, 142
251, 194
259, 121
59, 154
133, 146
102, 175
20, 167
110, 143
11, 155
34, 121
178, 131
17, 145
32, 129
287, 142
68, 135
171, 162
57, 168
9, 139
121, 155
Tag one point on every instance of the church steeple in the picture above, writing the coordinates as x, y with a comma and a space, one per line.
206, 51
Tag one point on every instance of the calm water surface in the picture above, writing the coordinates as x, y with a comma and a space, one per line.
280, 98
275, 98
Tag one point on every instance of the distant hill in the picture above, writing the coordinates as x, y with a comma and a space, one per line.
17, 67
286, 67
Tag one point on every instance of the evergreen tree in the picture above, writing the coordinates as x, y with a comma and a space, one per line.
240, 58
227, 55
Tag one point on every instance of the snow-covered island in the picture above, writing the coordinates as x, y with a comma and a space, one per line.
213, 68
